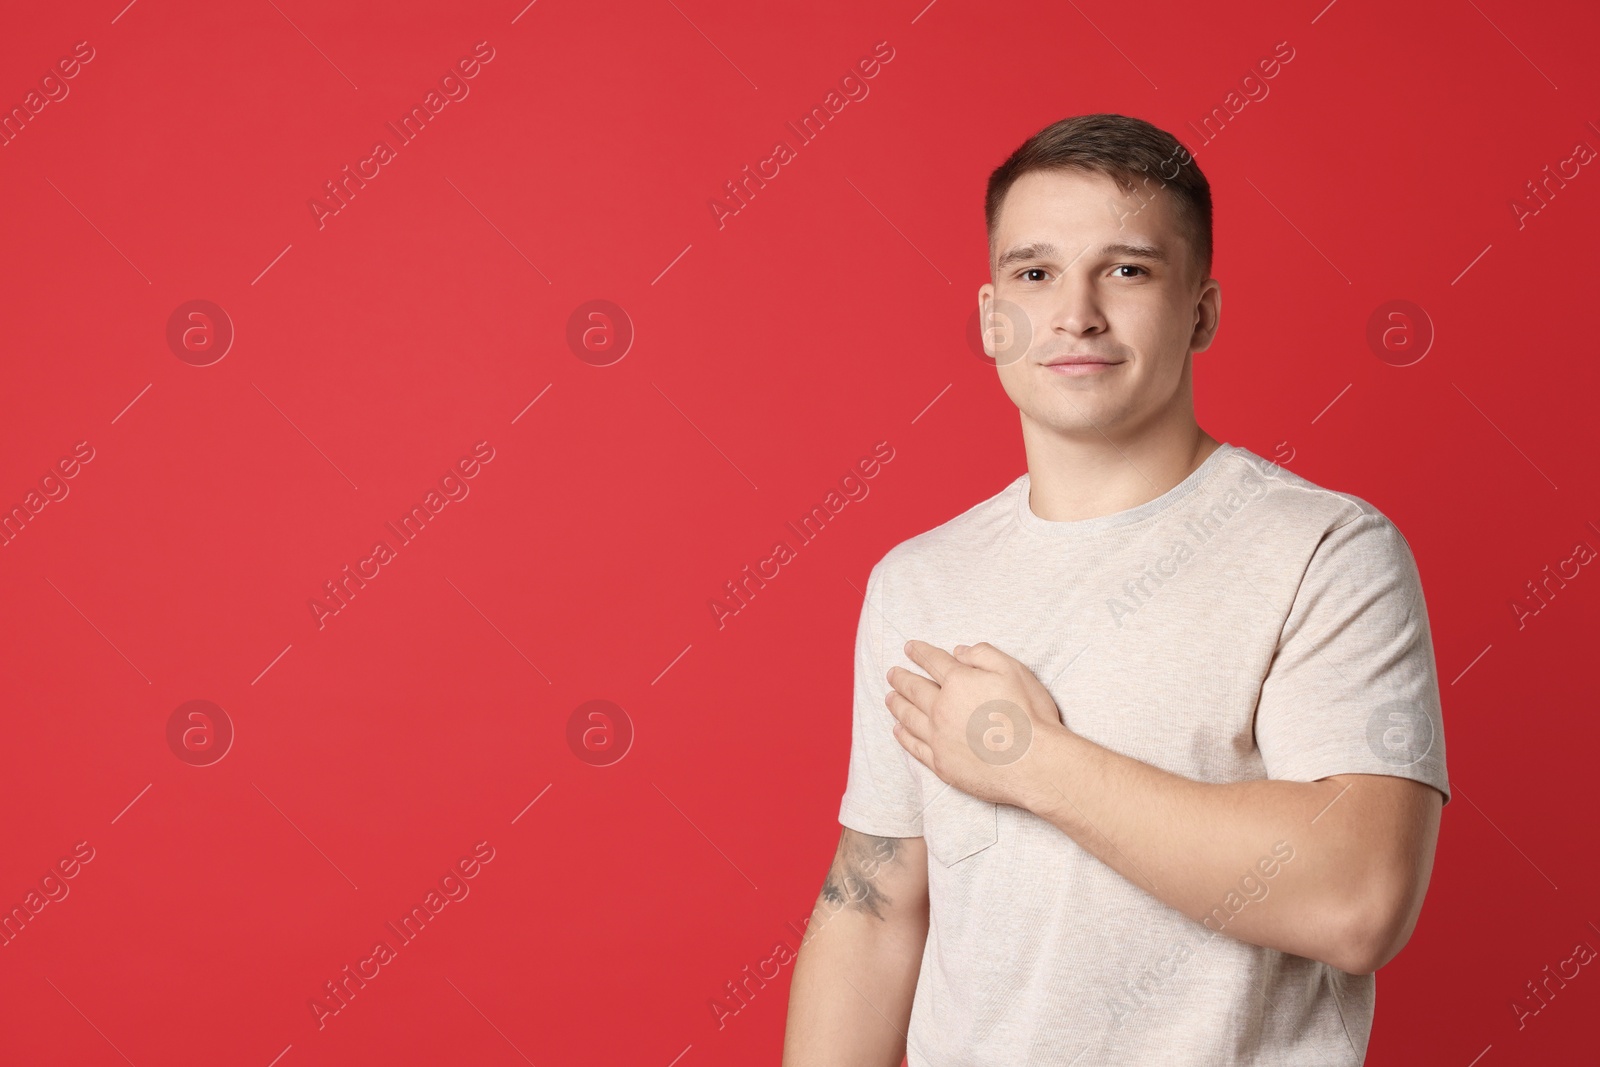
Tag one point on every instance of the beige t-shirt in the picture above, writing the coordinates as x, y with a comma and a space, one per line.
1246, 624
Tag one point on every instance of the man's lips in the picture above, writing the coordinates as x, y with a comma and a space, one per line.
1080, 365
1059, 360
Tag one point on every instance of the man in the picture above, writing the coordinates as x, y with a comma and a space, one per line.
1147, 759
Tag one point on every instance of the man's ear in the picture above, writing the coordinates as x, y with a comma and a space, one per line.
986, 303
1207, 316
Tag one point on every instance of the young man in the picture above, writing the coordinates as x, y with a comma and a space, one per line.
1147, 759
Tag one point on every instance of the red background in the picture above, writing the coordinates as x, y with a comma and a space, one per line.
771, 354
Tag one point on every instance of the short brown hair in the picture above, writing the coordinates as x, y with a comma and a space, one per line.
1130, 151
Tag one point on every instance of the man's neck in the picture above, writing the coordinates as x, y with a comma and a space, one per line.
1085, 478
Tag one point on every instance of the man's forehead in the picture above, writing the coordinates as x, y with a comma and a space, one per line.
1101, 203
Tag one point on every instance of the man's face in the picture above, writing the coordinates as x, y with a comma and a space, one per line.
1085, 269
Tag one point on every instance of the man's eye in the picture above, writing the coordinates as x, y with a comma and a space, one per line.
1130, 266
1032, 270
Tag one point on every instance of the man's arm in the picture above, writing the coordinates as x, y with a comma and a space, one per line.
850, 998
1334, 870
1361, 847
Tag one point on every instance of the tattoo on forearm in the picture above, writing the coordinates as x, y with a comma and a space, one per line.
852, 878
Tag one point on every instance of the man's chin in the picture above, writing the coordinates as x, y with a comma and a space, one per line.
1086, 421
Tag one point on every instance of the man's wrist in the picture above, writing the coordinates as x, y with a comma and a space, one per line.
1047, 768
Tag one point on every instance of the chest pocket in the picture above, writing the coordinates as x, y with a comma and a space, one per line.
957, 825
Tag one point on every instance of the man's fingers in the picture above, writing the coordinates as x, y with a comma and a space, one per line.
986, 656
914, 687
920, 749
936, 661
912, 719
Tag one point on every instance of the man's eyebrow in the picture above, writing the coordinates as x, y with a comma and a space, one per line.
1021, 253
1045, 250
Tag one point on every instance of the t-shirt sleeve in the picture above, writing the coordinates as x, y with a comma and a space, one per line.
1352, 687
882, 796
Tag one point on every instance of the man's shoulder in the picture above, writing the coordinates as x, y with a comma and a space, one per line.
961, 535
1302, 516
1286, 499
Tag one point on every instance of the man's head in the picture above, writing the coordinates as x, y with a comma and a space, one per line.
1099, 246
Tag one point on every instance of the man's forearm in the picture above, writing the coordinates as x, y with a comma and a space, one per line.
850, 998
1205, 848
